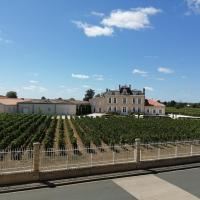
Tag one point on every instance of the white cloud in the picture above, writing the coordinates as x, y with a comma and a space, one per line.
8, 41
33, 81
183, 77
132, 19
4, 40
35, 88
42, 89
160, 79
80, 76
94, 31
165, 70
140, 72
98, 77
72, 90
98, 14
85, 86
194, 6
149, 88
30, 87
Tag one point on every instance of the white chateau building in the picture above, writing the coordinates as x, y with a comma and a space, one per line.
124, 101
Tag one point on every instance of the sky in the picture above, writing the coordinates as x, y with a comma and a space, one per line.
62, 48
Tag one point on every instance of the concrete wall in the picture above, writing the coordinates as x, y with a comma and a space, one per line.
28, 176
8, 108
49, 109
1, 108
64, 109
152, 110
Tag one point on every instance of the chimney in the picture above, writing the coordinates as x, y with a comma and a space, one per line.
130, 87
144, 91
119, 87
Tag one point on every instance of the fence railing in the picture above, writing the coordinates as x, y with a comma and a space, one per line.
38, 159
16, 160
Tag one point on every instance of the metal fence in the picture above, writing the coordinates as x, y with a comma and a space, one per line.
16, 160
77, 158
53, 159
154, 151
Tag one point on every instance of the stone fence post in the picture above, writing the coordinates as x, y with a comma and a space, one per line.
137, 150
36, 157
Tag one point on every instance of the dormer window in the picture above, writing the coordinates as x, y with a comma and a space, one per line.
124, 91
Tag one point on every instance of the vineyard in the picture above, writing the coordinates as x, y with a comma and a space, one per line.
21, 131
184, 111
92, 141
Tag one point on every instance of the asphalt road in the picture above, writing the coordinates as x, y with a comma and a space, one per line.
180, 184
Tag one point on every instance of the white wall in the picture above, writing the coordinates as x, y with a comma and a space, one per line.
1, 108
154, 110
48, 109
65, 109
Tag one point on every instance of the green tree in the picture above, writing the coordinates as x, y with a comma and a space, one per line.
11, 94
43, 98
89, 94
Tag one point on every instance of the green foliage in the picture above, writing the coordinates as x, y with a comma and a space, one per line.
11, 94
183, 111
49, 137
61, 139
124, 130
89, 94
72, 138
83, 109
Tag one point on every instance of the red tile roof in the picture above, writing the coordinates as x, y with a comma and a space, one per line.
11, 101
152, 102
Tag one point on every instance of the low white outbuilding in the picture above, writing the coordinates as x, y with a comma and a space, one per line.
48, 107
152, 107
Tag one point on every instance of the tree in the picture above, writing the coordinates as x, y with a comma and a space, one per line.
72, 99
11, 94
98, 95
43, 98
89, 94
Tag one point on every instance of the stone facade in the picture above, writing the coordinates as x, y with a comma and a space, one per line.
122, 101
125, 101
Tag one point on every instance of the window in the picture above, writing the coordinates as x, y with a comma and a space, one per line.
114, 109
100, 110
139, 101
147, 110
114, 100
109, 109
133, 100
160, 111
133, 109
49, 109
154, 111
139, 110
109, 100
124, 110
124, 100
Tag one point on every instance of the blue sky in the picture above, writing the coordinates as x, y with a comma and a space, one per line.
61, 48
